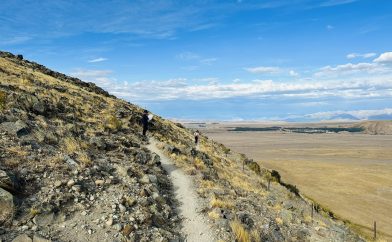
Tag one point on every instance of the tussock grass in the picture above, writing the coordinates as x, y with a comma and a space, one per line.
240, 233
219, 203
84, 159
213, 215
3, 100
199, 164
70, 145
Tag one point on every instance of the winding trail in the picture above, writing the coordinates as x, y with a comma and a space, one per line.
195, 226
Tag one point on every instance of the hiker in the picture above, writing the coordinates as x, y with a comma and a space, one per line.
196, 134
144, 122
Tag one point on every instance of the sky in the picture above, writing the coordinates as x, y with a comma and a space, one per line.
290, 60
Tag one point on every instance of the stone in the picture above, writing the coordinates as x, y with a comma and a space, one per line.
44, 219
117, 227
122, 208
6, 206
99, 182
145, 179
70, 183
22, 238
18, 128
109, 222
127, 230
7, 182
57, 183
84, 213
37, 238
153, 178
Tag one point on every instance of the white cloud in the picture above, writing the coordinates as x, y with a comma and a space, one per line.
350, 68
188, 56
357, 55
293, 73
184, 89
101, 77
208, 61
360, 114
384, 58
100, 59
263, 69
329, 27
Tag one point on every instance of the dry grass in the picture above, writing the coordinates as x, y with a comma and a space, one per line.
70, 145
219, 203
240, 233
348, 173
199, 164
213, 215
17, 151
3, 100
84, 159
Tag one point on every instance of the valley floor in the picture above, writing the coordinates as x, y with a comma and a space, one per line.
351, 174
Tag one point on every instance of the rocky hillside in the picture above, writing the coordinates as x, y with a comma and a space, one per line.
74, 167
376, 127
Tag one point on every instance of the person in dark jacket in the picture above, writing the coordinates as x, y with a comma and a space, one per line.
145, 122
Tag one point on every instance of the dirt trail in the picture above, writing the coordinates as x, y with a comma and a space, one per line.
195, 225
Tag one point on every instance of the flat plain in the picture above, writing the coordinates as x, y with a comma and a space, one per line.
349, 173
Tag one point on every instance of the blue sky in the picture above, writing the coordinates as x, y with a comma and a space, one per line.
217, 60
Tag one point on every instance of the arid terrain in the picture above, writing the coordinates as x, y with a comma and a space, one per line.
349, 173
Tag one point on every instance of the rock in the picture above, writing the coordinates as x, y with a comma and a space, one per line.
246, 219
127, 230
145, 179
58, 183
70, 183
84, 213
153, 178
18, 128
99, 182
109, 222
122, 208
70, 161
38, 238
22, 238
8, 182
44, 219
117, 227
6, 206
77, 188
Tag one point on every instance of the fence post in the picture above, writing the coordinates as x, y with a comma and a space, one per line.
312, 210
375, 230
269, 182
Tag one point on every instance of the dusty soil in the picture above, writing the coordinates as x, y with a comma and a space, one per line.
349, 173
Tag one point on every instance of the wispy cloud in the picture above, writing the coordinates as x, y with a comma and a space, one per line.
358, 55
100, 59
350, 68
15, 40
331, 3
329, 27
263, 69
187, 55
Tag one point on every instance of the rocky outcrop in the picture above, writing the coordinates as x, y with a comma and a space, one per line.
6, 207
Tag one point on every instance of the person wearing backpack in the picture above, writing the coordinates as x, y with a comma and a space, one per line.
144, 122
196, 134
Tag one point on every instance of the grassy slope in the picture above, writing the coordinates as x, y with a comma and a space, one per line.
235, 196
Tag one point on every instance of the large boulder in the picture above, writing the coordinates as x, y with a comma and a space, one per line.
22, 238
6, 206
8, 182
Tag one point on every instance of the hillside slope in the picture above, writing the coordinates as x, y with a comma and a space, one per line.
74, 167
376, 127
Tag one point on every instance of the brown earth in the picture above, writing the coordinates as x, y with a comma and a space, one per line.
351, 174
